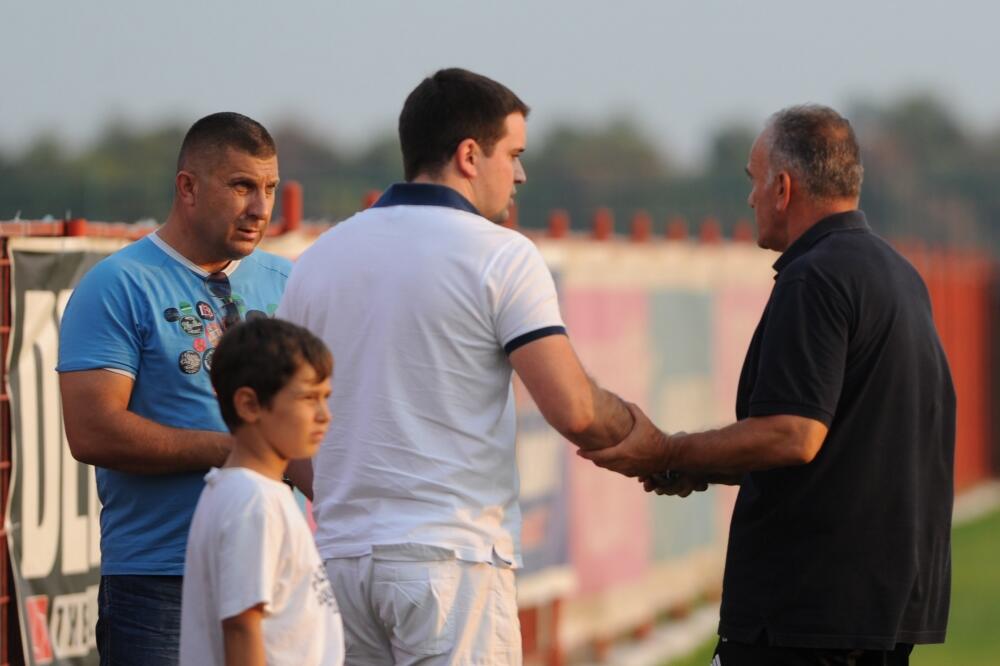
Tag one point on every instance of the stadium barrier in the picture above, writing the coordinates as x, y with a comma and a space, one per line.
662, 321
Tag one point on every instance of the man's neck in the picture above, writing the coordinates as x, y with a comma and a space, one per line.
174, 234
448, 179
812, 212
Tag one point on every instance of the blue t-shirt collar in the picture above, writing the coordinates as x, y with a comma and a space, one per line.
846, 221
424, 194
165, 247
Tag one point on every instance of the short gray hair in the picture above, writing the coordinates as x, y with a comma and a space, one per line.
818, 146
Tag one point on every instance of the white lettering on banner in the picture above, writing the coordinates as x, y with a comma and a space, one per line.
49, 482
74, 618
39, 531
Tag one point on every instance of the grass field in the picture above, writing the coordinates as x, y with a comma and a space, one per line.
700, 657
974, 623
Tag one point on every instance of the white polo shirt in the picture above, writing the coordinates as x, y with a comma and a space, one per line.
421, 299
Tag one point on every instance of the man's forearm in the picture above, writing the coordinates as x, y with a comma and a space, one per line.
753, 444
102, 431
611, 423
745, 446
570, 401
130, 443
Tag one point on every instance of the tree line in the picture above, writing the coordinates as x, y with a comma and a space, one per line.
926, 174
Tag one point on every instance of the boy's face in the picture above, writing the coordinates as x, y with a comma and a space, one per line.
298, 417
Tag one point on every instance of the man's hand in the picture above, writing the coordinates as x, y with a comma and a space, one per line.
673, 483
714, 456
644, 452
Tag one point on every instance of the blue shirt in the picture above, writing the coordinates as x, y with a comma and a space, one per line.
147, 312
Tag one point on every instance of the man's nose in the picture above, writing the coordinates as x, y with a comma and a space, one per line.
259, 205
519, 175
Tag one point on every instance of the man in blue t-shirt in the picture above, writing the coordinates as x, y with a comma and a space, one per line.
136, 346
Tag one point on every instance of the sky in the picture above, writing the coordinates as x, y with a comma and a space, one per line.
343, 69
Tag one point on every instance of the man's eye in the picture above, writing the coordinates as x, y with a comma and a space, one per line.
242, 188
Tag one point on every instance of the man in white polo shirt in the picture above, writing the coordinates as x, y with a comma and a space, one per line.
427, 305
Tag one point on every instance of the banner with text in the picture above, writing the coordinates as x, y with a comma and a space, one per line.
53, 512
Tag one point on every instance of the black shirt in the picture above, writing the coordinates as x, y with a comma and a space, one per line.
852, 550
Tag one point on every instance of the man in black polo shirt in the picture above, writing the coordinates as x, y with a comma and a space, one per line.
839, 548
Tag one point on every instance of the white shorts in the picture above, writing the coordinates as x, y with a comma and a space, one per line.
411, 604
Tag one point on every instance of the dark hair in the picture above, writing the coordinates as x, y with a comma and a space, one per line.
818, 145
215, 133
263, 354
447, 108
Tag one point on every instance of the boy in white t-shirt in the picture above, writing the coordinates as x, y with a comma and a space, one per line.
255, 590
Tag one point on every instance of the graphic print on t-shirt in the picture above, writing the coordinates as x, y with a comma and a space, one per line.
205, 311
189, 361
201, 322
321, 586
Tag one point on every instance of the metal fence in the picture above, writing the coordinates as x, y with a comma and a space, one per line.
571, 608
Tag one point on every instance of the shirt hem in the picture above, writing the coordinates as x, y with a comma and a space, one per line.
486, 554
829, 641
147, 570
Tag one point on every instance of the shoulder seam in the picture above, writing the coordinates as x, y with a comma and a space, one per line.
495, 258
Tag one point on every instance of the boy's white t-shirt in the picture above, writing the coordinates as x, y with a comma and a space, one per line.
249, 544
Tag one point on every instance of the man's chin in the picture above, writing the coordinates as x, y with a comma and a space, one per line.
243, 248
501, 216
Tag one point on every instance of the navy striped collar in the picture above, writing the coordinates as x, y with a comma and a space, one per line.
424, 194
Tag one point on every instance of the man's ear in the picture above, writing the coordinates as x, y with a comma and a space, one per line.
783, 185
466, 158
247, 406
186, 185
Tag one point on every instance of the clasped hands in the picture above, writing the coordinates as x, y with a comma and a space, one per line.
647, 453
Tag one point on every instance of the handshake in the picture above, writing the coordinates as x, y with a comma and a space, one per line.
655, 458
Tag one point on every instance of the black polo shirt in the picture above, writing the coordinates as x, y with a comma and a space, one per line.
852, 550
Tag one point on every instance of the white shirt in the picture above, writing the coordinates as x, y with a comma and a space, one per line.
249, 544
417, 304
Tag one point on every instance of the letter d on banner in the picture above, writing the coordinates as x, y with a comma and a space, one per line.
42, 442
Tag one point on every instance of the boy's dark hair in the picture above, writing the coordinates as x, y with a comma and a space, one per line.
263, 354
447, 108
215, 133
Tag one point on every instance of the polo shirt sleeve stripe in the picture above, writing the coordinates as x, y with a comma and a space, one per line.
531, 336
520, 295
